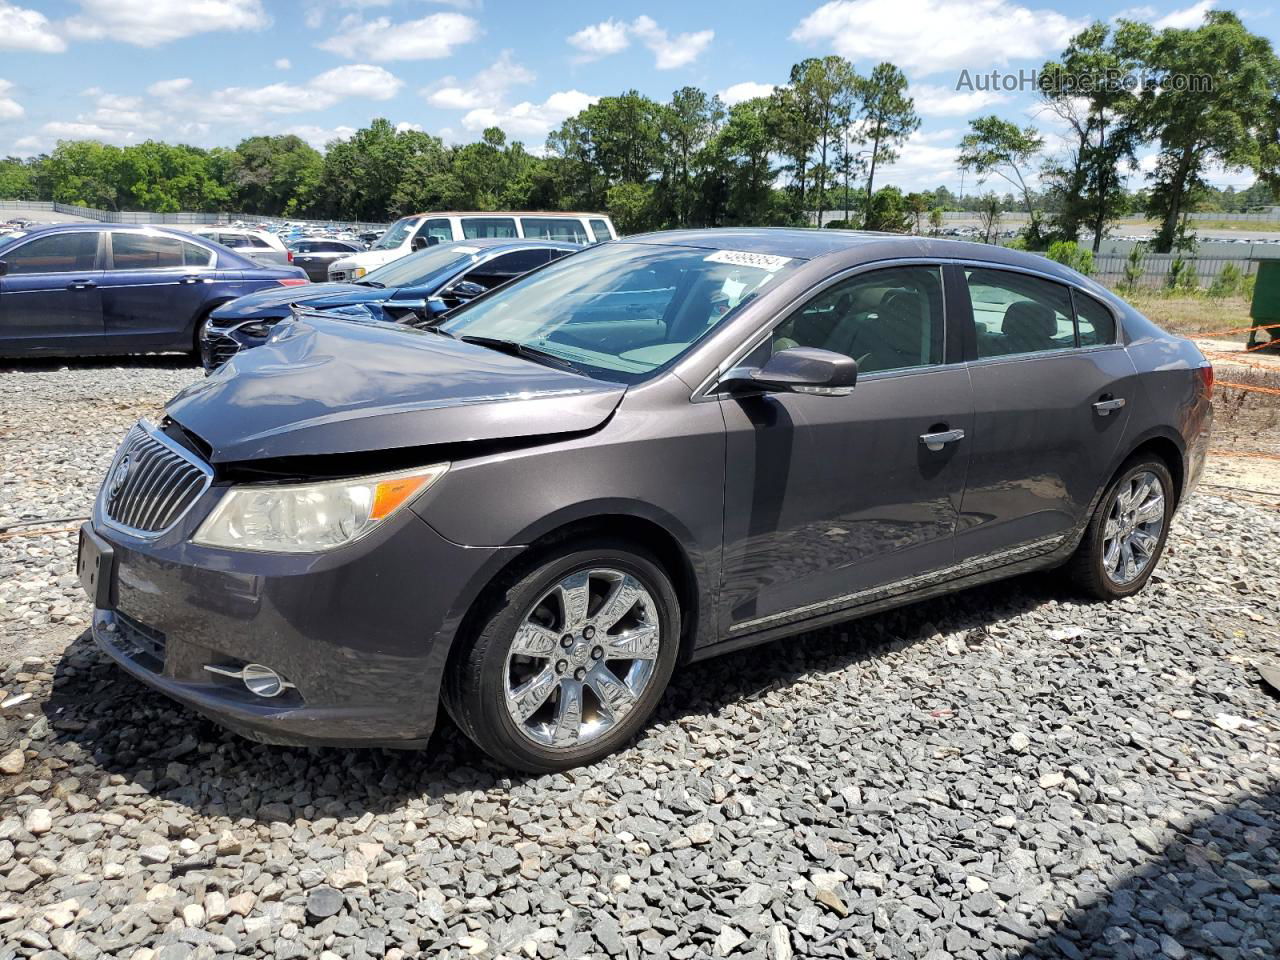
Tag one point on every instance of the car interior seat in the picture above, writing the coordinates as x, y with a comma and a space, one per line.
1028, 327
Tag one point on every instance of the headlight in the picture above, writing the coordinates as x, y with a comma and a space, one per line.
358, 272
310, 517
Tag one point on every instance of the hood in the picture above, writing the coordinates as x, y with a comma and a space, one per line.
373, 258
275, 301
328, 387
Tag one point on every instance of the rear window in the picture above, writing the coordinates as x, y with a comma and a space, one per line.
476, 228
146, 251
554, 228
258, 242
600, 230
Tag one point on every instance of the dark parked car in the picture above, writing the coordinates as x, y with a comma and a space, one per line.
314, 256
92, 288
450, 273
655, 451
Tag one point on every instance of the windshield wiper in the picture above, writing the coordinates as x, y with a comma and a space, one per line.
371, 283
517, 349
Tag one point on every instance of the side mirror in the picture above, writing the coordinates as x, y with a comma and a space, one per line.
4, 268
418, 243
796, 370
467, 289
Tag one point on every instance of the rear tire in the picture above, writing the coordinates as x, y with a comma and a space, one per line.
1127, 532
568, 663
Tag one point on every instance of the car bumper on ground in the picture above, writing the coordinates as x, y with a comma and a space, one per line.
360, 636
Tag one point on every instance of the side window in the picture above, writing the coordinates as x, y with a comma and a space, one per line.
194, 255
144, 251
511, 264
258, 242
600, 231
59, 253
885, 319
475, 228
233, 240
553, 228
1094, 322
438, 228
1015, 313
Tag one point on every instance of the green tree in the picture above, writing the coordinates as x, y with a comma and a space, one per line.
888, 117
1000, 147
746, 143
1232, 124
827, 86
272, 174
17, 180
1086, 189
887, 210
687, 125
86, 173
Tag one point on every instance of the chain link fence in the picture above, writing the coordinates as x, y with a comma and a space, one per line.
183, 218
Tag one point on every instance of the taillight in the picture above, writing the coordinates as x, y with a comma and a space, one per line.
290, 253
292, 281
1206, 377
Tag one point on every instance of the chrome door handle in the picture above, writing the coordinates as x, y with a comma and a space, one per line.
190, 279
81, 285
1104, 407
936, 441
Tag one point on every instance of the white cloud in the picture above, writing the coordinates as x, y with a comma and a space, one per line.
430, 38
149, 23
601, 39
747, 90
319, 136
169, 88
1185, 19
10, 109
23, 29
530, 120
484, 89
928, 36
924, 161
283, 63
404, 126
932, 101
671, 52
1135, 13
613, 36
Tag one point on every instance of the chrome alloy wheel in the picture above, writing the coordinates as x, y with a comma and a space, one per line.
1133, 528
582, 657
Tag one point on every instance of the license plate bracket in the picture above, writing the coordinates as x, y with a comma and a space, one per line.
95, 565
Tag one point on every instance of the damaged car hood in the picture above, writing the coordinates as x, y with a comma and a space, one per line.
322, 386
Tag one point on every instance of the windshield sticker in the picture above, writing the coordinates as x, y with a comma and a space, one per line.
740, 258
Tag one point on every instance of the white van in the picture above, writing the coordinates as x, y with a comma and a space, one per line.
427, 229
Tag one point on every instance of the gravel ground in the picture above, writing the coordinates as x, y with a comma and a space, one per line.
1003, 773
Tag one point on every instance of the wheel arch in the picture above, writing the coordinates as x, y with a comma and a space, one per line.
1166, 445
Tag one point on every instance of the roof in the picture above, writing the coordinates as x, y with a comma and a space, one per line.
508, 213
98, 225
491, 243
810, 244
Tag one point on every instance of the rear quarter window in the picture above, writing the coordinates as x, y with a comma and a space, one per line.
1094, 320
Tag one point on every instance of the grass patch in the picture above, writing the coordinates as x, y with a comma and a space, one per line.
1189, 314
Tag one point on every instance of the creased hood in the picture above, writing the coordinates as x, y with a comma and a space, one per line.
328, 387
274, 301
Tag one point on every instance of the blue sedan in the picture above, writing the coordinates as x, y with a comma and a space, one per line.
447, 275
91, 288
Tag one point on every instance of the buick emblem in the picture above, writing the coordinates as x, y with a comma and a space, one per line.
118, 477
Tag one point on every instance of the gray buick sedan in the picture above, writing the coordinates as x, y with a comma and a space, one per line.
538, 506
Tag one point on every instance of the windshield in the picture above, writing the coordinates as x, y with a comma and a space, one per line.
623, 310
424, 267
396, 234
10, 238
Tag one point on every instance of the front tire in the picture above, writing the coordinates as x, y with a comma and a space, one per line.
1127, 533
568, 663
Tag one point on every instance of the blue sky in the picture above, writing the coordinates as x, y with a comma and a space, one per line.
209, 72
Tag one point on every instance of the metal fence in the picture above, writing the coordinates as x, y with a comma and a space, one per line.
1155, 268
182, 218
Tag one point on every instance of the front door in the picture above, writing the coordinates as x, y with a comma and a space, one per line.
50, 297
829, 499
1046, 425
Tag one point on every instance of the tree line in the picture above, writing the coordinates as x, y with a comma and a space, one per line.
820, 143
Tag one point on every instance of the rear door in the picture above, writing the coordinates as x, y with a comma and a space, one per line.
50, 297
154, 289
832, 500
1046, 428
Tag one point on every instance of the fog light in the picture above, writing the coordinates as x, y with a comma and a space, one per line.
259, 679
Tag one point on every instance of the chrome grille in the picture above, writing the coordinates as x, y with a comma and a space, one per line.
219, 349
152, 483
